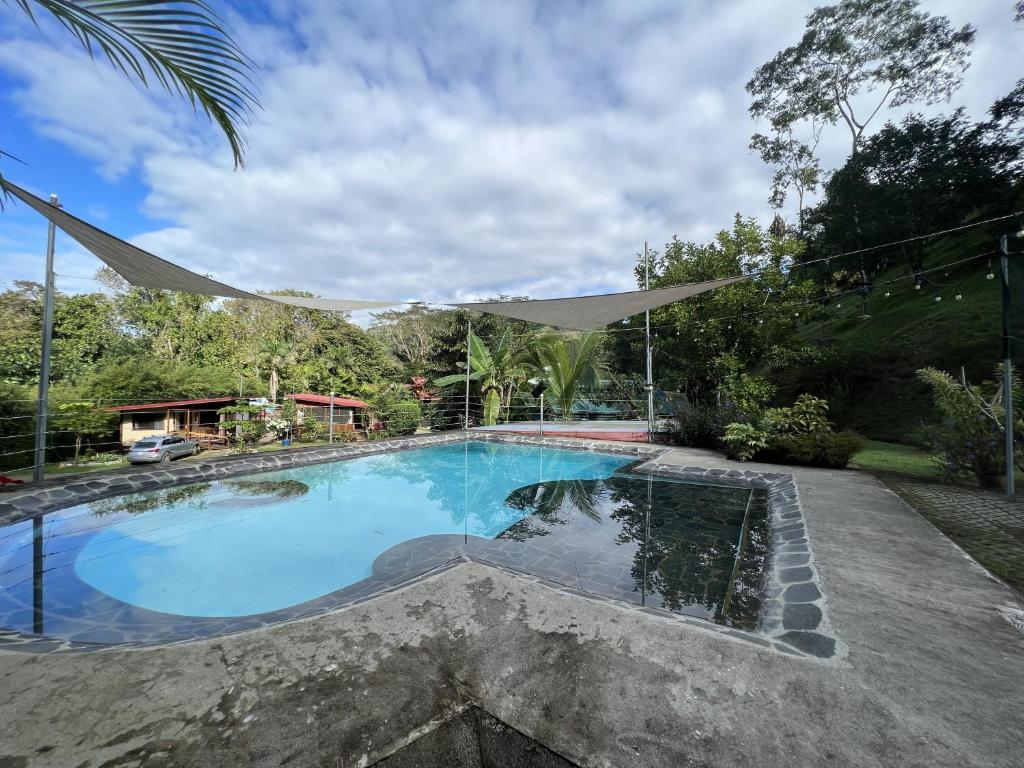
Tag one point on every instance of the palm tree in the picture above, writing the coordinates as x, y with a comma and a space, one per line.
499, 373
567, 365
274, 354
179, 43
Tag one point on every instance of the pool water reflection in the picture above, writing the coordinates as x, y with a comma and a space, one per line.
214, 557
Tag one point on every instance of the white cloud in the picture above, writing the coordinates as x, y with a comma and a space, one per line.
458, 151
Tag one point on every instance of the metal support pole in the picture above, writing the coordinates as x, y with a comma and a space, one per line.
469, 334
330, 421
649, 384
44, 363
1007, 364
542, 414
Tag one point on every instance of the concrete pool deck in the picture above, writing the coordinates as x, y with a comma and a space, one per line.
931, 675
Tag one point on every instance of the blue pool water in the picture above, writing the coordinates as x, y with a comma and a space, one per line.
265, 542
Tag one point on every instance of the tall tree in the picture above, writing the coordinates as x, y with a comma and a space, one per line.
796, 165
857, 57
755, 321
178, 43
913, 178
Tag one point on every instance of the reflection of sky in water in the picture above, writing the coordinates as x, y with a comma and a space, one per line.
219, 550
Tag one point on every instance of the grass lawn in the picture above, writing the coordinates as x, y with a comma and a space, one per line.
879, 456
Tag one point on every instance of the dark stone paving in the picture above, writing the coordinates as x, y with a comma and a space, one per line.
986, 524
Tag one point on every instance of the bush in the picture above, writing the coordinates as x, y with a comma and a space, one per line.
399, 419
694, 425
312, 430
813, 449
744, 441
807, 415
968, 438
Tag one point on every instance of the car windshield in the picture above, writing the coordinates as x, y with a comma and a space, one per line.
145, 444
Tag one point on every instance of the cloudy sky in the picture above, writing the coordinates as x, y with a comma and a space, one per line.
435, 151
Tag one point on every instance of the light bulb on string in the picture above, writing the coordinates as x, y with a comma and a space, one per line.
839, 306
938, 299
990, 275
887, 294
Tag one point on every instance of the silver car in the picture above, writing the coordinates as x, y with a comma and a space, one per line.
161, 448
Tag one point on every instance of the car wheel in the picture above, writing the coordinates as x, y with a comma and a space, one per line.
195, 450
165, 458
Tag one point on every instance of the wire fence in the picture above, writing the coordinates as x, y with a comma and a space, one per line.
92, 444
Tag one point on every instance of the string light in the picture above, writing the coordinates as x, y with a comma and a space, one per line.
938, 299
887, 294
958, 296
990, 275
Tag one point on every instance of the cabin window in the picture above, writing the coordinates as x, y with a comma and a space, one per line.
147, 421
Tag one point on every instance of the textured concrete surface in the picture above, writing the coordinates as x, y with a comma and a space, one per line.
931, 675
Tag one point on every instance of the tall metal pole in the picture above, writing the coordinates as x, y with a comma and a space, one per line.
1007, 363
330, 421
469, 333
44, 364
649, 384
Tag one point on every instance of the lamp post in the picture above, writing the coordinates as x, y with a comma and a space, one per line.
1005, 249
44, 363
649, 383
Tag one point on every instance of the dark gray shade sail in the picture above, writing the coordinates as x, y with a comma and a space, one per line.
588, 313
143, 269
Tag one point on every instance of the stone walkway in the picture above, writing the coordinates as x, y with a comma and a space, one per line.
986, 524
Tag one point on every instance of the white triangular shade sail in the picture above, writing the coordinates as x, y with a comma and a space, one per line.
587, 313
143, 269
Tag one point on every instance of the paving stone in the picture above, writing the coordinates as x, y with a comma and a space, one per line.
813, 643
790, 575
801, 593
801, 616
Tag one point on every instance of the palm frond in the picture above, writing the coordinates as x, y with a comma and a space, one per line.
179, 43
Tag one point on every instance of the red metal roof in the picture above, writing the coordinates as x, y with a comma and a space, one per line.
342, 402
174, 404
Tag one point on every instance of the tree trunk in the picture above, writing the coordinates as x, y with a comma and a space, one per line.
78, 448
273, 385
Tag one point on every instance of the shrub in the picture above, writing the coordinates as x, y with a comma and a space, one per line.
813, 449
694, 425
807, 415
312, 430
400, 418
743, 441
968, 438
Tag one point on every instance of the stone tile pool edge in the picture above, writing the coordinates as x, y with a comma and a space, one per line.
794, 617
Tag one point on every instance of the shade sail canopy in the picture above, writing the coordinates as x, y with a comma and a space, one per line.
588, 313
143, 269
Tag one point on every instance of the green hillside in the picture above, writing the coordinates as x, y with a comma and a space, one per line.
869, 376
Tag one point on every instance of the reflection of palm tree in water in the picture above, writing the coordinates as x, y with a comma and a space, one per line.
551, 504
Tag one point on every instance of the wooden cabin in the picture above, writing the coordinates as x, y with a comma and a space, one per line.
197, 420
348, 412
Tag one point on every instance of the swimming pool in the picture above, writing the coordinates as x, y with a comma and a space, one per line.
212, 557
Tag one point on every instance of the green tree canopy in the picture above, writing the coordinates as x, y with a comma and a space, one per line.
855, 58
